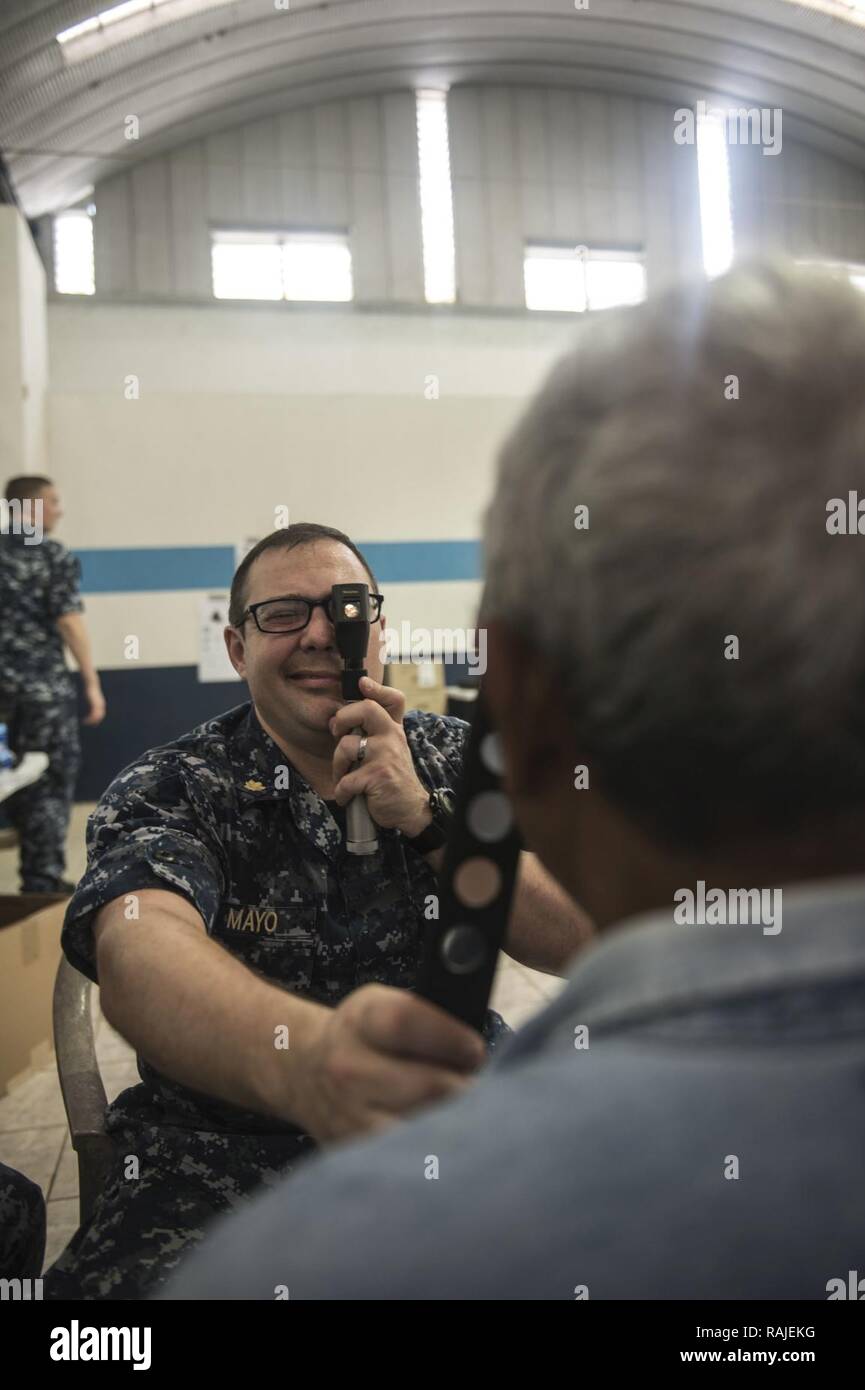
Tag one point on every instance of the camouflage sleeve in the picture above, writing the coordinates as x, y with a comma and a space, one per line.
438, 744
22, 1226
64, 595
148, 831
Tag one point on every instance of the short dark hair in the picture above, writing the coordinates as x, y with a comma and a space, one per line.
26, 486
286, 538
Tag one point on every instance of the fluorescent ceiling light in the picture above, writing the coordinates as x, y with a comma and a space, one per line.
851, 10
129, 7
106, 17
97, 32
713, 172
436, 201
85, 27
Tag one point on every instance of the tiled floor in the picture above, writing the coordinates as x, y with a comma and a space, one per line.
33, 1134
34, 1138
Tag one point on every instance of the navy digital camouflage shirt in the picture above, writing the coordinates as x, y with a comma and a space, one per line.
38, 584
221, 817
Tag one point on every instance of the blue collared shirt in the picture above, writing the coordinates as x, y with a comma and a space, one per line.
707, 1144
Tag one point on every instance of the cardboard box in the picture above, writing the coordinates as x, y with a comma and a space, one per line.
30, 926
423, 685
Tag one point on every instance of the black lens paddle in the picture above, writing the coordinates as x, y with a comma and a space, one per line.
350, 610
476, 883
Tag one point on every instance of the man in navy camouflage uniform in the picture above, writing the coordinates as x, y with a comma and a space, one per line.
40, 610
261, 971
22, 1226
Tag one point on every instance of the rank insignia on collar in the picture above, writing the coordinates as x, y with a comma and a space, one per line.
253, 786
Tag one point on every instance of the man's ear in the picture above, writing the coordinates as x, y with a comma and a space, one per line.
381, 638
528, 712
236, 650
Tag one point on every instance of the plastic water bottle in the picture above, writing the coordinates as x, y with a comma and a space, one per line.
7, 757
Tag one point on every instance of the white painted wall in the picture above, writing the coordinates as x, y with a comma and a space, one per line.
801, 202
548, 164
243, 409
23, 348
527, 163
341, 165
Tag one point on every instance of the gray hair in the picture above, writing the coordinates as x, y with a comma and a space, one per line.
707, 519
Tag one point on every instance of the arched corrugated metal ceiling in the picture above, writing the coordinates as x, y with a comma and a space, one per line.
62, 123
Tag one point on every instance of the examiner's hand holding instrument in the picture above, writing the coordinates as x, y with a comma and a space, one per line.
383, 1052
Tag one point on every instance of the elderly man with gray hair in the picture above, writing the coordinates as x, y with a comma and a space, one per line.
676, 621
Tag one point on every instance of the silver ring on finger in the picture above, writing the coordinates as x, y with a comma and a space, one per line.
361, 748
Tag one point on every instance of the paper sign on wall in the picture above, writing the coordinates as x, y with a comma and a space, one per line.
213, 662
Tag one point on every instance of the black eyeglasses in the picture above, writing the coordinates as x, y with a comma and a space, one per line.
292, 614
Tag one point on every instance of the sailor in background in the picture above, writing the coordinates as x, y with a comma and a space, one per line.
40, 611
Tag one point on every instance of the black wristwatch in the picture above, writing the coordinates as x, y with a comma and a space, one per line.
433, 836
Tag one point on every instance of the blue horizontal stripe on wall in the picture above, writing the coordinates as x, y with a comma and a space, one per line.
150, 707
147, 568
423, 562
144, 568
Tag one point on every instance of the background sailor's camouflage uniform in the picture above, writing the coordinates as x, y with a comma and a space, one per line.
22, 1226
220, 817
39, 583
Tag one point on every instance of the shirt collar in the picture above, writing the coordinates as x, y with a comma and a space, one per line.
650, 966
262, 772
